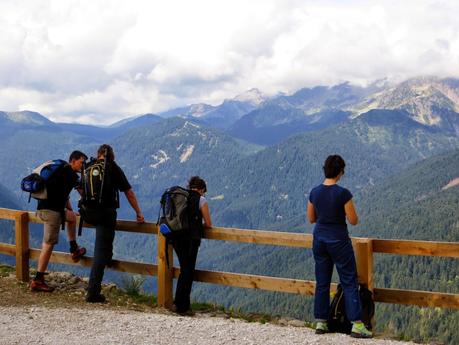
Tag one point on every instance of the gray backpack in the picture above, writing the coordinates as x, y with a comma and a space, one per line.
174, 214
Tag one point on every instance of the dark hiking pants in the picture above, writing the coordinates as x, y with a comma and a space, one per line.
187, 252
103, 252
338, 252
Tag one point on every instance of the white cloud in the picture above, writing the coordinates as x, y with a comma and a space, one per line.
103, 60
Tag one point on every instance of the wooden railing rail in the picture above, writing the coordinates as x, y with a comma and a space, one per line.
363, 247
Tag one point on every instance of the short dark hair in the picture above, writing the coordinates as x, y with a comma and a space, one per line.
75, 155
333, 166
196, 182
106, 148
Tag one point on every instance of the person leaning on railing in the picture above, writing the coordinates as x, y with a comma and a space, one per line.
328, 208
105, 232
187, 246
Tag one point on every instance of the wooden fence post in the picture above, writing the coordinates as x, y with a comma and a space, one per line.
22, 246
165, 274
364, 258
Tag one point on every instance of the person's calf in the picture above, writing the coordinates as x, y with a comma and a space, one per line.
45, 255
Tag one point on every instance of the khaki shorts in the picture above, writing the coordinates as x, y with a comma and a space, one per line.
52, 224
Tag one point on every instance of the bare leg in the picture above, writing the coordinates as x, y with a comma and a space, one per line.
70, 219
43, 260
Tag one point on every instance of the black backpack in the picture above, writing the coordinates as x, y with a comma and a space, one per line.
338, 321
94, 177
173, 219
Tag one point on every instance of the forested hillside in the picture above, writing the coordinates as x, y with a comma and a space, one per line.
7, 200
420, 202
402, 167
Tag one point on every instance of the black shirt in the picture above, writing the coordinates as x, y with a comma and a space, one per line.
195, 216
58, 188
115, 181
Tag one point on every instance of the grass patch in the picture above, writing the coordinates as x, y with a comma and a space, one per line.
132, 287
5, 270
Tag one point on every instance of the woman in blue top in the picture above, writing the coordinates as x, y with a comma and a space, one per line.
329, 206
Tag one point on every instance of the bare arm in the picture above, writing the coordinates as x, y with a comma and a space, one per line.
68, 205
206, 216
130, 196
351, 214
311, 213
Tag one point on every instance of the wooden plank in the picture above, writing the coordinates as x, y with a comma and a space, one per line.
118, 265
424, 248
276, 238
22, 246
419, 298
131, 226
250, 281
33, 218
8, 249
165, 271
9, 214
121, 225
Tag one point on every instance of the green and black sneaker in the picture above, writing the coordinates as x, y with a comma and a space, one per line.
359, 331
321, 327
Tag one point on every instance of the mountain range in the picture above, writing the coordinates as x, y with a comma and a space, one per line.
260, 157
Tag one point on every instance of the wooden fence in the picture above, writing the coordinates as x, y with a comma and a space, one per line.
363, 247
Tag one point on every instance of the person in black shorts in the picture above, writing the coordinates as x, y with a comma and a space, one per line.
105, 233
53, 211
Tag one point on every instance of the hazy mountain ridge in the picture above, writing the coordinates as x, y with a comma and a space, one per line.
26, 118
171, 151
268, 188
374, 145
307, 109
429, 100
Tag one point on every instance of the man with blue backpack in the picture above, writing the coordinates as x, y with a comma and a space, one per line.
55, 209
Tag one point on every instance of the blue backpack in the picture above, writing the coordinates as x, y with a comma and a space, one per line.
35, 183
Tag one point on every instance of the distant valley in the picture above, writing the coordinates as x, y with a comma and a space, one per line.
261, 156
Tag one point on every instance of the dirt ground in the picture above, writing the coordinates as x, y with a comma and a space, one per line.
70, 292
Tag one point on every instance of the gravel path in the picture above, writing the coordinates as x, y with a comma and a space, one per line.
41, 325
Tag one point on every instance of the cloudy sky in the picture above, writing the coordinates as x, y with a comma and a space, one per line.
98, 61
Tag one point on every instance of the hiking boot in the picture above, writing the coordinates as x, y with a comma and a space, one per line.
182, 312
40, 285
188, 312
321, 327
78, 254
95, 298
360, 331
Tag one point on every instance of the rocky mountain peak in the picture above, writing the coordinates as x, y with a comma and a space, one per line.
429, 100
252, 96
198, 110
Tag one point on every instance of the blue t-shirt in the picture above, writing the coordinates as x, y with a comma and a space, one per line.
329, 204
